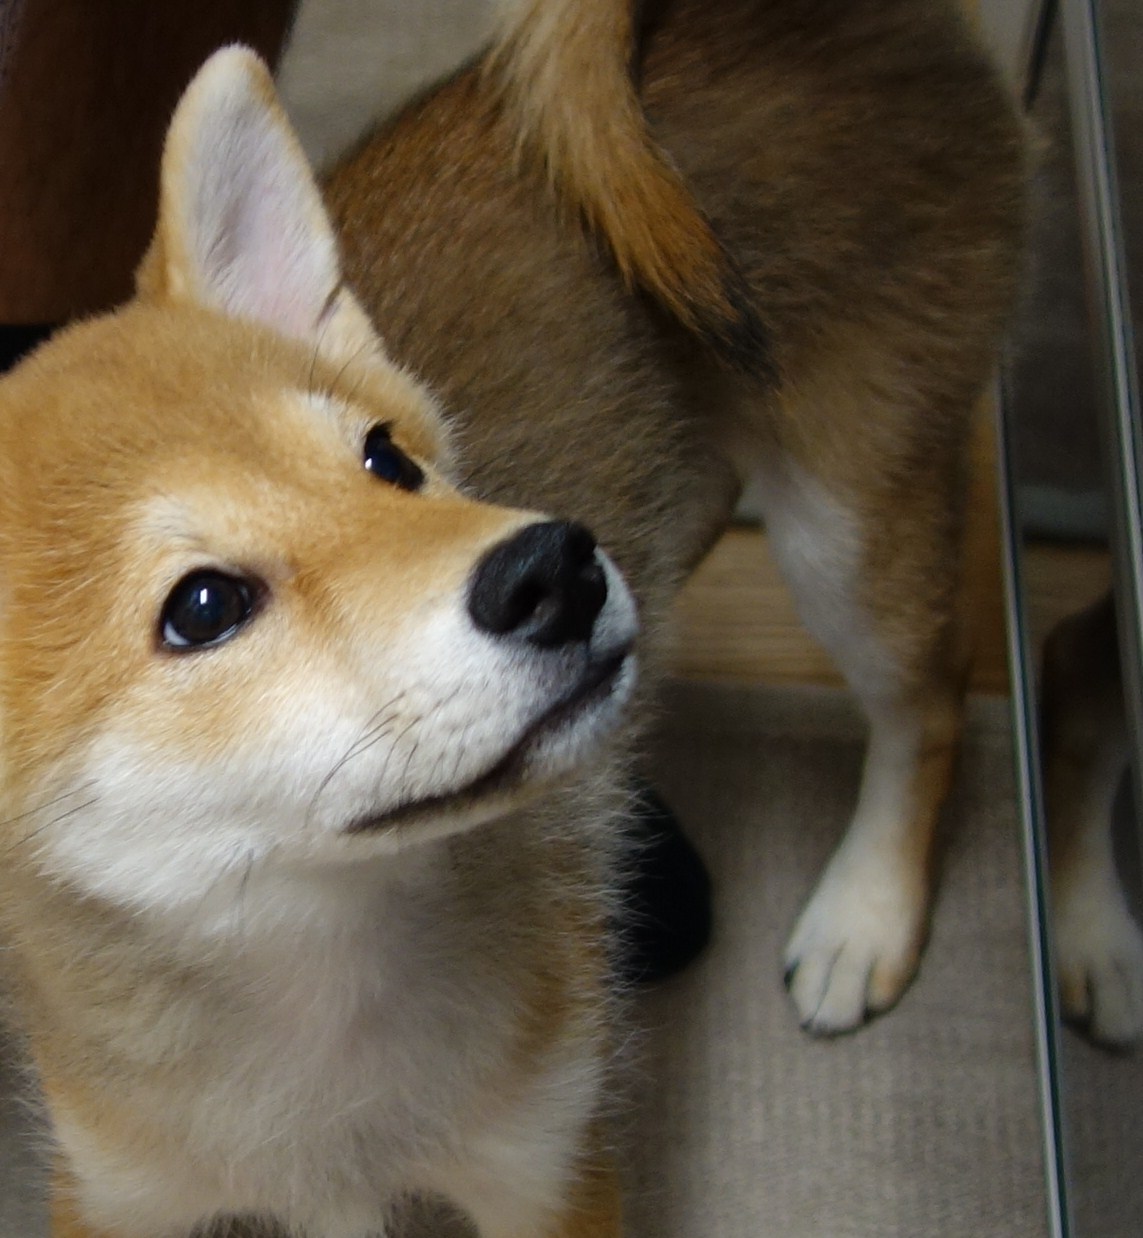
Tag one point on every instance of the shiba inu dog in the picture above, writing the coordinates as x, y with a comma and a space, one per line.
860, 177
311, 721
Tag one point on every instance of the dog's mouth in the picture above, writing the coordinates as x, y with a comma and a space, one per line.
510, 771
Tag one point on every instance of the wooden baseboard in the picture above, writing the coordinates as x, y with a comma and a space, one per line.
736, 620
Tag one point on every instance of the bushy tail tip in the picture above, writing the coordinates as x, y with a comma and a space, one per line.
564, 69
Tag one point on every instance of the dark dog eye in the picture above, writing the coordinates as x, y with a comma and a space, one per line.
387, 461
205, 608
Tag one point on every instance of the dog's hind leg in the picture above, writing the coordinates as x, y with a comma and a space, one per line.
873, 561
1099, 945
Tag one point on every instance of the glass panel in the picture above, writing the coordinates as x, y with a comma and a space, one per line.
1072, 427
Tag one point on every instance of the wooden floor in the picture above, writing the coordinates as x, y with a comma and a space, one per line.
737, 623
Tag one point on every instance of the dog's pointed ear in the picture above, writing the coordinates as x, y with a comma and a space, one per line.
242, 229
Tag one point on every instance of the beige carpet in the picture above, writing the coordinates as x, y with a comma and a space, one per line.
923, 1124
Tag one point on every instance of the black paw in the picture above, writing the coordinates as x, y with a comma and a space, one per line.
16, 341
667, 914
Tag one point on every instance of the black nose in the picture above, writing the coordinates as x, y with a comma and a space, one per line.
543, 585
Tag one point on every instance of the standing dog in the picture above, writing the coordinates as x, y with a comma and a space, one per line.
860, 178
307, 751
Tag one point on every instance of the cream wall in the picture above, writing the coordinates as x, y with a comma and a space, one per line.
1010, 26
350, 61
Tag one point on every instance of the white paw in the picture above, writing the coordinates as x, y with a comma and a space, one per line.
1099, 957
856, 944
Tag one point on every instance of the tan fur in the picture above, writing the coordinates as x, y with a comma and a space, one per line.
86, 544
565, 69
199, 1014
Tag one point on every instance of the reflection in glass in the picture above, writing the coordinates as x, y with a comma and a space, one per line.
1071, 523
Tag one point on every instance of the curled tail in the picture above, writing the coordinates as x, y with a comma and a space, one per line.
564, 68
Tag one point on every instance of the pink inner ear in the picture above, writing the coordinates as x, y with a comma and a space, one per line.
258, 236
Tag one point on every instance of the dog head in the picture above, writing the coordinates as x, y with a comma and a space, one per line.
246, 619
